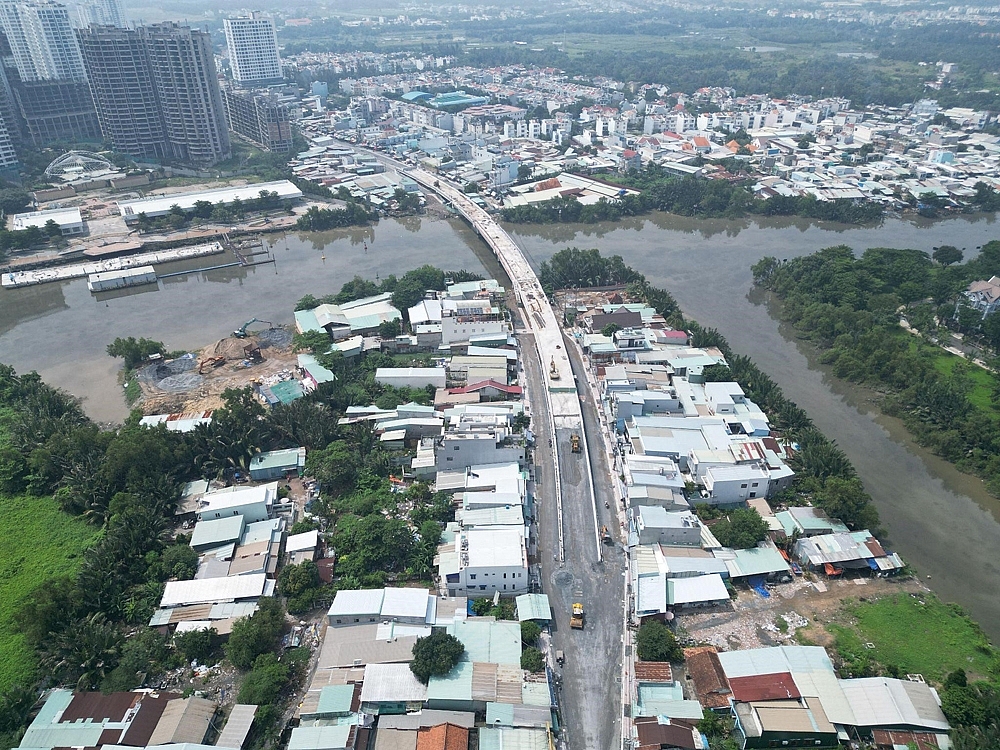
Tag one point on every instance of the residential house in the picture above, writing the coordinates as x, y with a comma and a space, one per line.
984, 295
277, 464
483, 561
253, 503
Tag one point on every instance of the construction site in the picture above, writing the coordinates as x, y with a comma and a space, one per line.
196, 381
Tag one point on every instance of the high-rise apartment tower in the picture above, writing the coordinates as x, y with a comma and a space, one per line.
253, 50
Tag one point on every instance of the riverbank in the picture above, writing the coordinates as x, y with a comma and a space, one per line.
41, 327
924, 504
687, 196
849, 307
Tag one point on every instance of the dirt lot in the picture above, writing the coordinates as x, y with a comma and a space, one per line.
279, 363
752, 622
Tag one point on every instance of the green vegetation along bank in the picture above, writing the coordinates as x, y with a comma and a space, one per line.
851, 308
824, 474
40, 543
689, 196
88, 536
910, 635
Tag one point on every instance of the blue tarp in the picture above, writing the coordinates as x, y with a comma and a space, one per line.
872, 564
757, 584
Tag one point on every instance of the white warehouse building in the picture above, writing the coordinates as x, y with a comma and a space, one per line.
160, 205
485, 561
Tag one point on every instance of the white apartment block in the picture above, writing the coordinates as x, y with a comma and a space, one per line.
253, 49
42, 41
485, 561
100, 12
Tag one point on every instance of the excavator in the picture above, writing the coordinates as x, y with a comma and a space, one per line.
241, 332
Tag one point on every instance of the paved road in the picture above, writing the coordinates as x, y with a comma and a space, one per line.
581, 568
590, 697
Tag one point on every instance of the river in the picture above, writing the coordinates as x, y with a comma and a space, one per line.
929, 509
61, 330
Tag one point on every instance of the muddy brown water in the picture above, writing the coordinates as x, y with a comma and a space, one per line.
939, 520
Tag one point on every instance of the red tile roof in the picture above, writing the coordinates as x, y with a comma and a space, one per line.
767, 687
654, 671
443, 737
705, 670
552, 182
514, 390
889, 739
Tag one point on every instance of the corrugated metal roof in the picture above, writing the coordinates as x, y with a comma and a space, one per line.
511, 738
510, 679
217, 532
536, 694
652, 594
810, 667
391, 683
455, 686
769, 687
755, 562
696, 589
488, 641
307, 540
207, 590
185, 720
484, 681
892, 703
406, 602
333, 737
357, 602
290, 458
335, 699
234, 734
533, 607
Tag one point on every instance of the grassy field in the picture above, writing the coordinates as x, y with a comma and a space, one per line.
918, 634
38, 542
981, 395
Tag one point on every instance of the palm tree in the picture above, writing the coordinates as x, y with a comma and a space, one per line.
84, 652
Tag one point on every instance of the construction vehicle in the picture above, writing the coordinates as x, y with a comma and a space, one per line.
576, 619
605, 535
553, 370
212, 362
241, 332
574, 443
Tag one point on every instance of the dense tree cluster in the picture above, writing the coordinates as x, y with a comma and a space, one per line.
850, 307
741, 528
656, 642
573, 267
406, 290
134, 351
353, 214
435, 655
689, 196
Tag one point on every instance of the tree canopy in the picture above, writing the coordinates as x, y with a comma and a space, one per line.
741, 528
435, 655
656, 642
134, 351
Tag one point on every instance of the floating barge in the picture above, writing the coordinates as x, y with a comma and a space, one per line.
15, 279
102, 282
